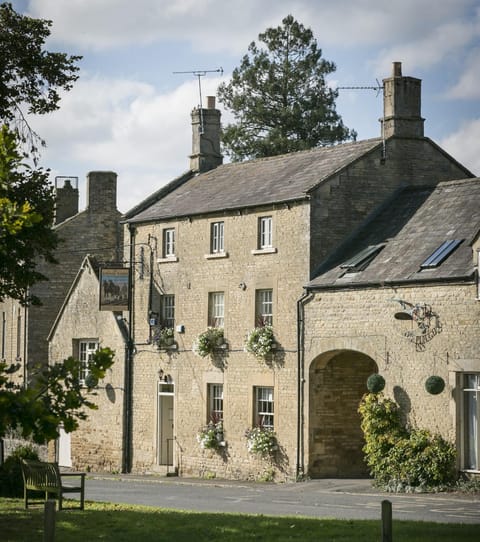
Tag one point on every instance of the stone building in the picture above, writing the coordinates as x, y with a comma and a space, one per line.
400, 298
232, 247
95, 230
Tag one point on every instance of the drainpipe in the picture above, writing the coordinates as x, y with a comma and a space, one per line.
129, 352
300, 464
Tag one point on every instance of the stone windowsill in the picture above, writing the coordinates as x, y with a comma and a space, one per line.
270, 250
170, 259
216, 255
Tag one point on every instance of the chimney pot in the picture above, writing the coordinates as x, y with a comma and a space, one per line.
210, 102
397, 69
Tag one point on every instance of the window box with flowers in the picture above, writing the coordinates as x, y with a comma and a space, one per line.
260, 342
209, 341
261, 441
164, 337
210, 437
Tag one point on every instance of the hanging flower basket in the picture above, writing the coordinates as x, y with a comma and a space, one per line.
434, 384
206, 343
261, 441
260, 342
210, 437
375, 383
164, 337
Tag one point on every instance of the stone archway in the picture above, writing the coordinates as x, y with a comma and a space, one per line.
337, 382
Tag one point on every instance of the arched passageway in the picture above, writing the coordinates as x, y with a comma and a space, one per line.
337, 382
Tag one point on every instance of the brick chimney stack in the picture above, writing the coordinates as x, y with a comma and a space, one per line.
206, 138
402, 105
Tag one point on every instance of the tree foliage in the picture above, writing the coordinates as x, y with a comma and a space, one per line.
55, 398
279, 97
30, 76
26, 216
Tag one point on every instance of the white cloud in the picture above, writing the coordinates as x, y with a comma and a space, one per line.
468, 86
463, 145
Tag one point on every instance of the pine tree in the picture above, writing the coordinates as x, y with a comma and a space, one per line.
279, 97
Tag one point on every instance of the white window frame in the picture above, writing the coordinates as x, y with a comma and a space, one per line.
265, 232
216, 309
169, 243
215, 403
167, 310
86, 350
470, 416
264, 407
217, 237
264, 307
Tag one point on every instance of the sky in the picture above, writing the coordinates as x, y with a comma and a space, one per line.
129, 111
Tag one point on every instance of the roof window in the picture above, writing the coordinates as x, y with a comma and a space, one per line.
441, 253
361, 260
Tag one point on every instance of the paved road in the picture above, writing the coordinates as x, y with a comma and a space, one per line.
345, 499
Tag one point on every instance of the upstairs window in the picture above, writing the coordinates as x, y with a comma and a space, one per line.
169, 242
217, 238
264, 407
265, 232
264, 307
216, 309
167, 310
86, 351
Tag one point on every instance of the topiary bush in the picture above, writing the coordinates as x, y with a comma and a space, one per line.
434, 384
11, 480
402, 459
375, 383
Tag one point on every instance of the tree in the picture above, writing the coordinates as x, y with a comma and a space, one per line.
30, 77
26, 216
279, 97
56, 398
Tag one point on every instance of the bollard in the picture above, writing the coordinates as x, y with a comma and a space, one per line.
387, 521
49, 521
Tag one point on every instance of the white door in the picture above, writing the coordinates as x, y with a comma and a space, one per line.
64, 449
165, 424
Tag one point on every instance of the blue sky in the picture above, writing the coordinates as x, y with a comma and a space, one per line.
130, 113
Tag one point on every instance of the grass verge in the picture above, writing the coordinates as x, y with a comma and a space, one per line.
121, 523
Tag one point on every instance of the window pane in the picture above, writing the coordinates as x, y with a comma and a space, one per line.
264, 307
471, 412
265, 232
217, 237
264, 407
216, 309
169, 242
168, 311
215, 403
86, 351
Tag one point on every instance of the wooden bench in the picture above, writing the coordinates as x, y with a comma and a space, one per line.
42, 476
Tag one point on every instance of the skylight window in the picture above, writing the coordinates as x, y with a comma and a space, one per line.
360, 261
441, 254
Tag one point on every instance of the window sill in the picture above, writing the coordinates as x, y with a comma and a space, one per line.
216, 255
170, 259
270, 250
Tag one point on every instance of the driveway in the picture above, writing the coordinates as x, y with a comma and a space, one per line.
343, 499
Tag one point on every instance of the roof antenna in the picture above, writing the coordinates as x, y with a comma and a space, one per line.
199, 74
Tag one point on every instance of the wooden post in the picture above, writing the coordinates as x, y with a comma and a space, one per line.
49, 521
387, 521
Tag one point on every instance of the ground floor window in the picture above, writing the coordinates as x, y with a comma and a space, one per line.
471, 421
264, 407
86, 351
215, 403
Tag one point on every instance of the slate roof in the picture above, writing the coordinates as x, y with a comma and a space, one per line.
238, 185
412, 225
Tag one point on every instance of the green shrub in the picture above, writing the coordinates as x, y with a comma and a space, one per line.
401, 459
11, 481
375, 383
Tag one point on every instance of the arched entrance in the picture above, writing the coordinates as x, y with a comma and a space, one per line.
337, 382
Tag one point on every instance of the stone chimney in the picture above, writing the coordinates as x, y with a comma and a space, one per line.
402, 105
66, 198
205, 138
101, 191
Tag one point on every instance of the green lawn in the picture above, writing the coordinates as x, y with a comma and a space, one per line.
119, 523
